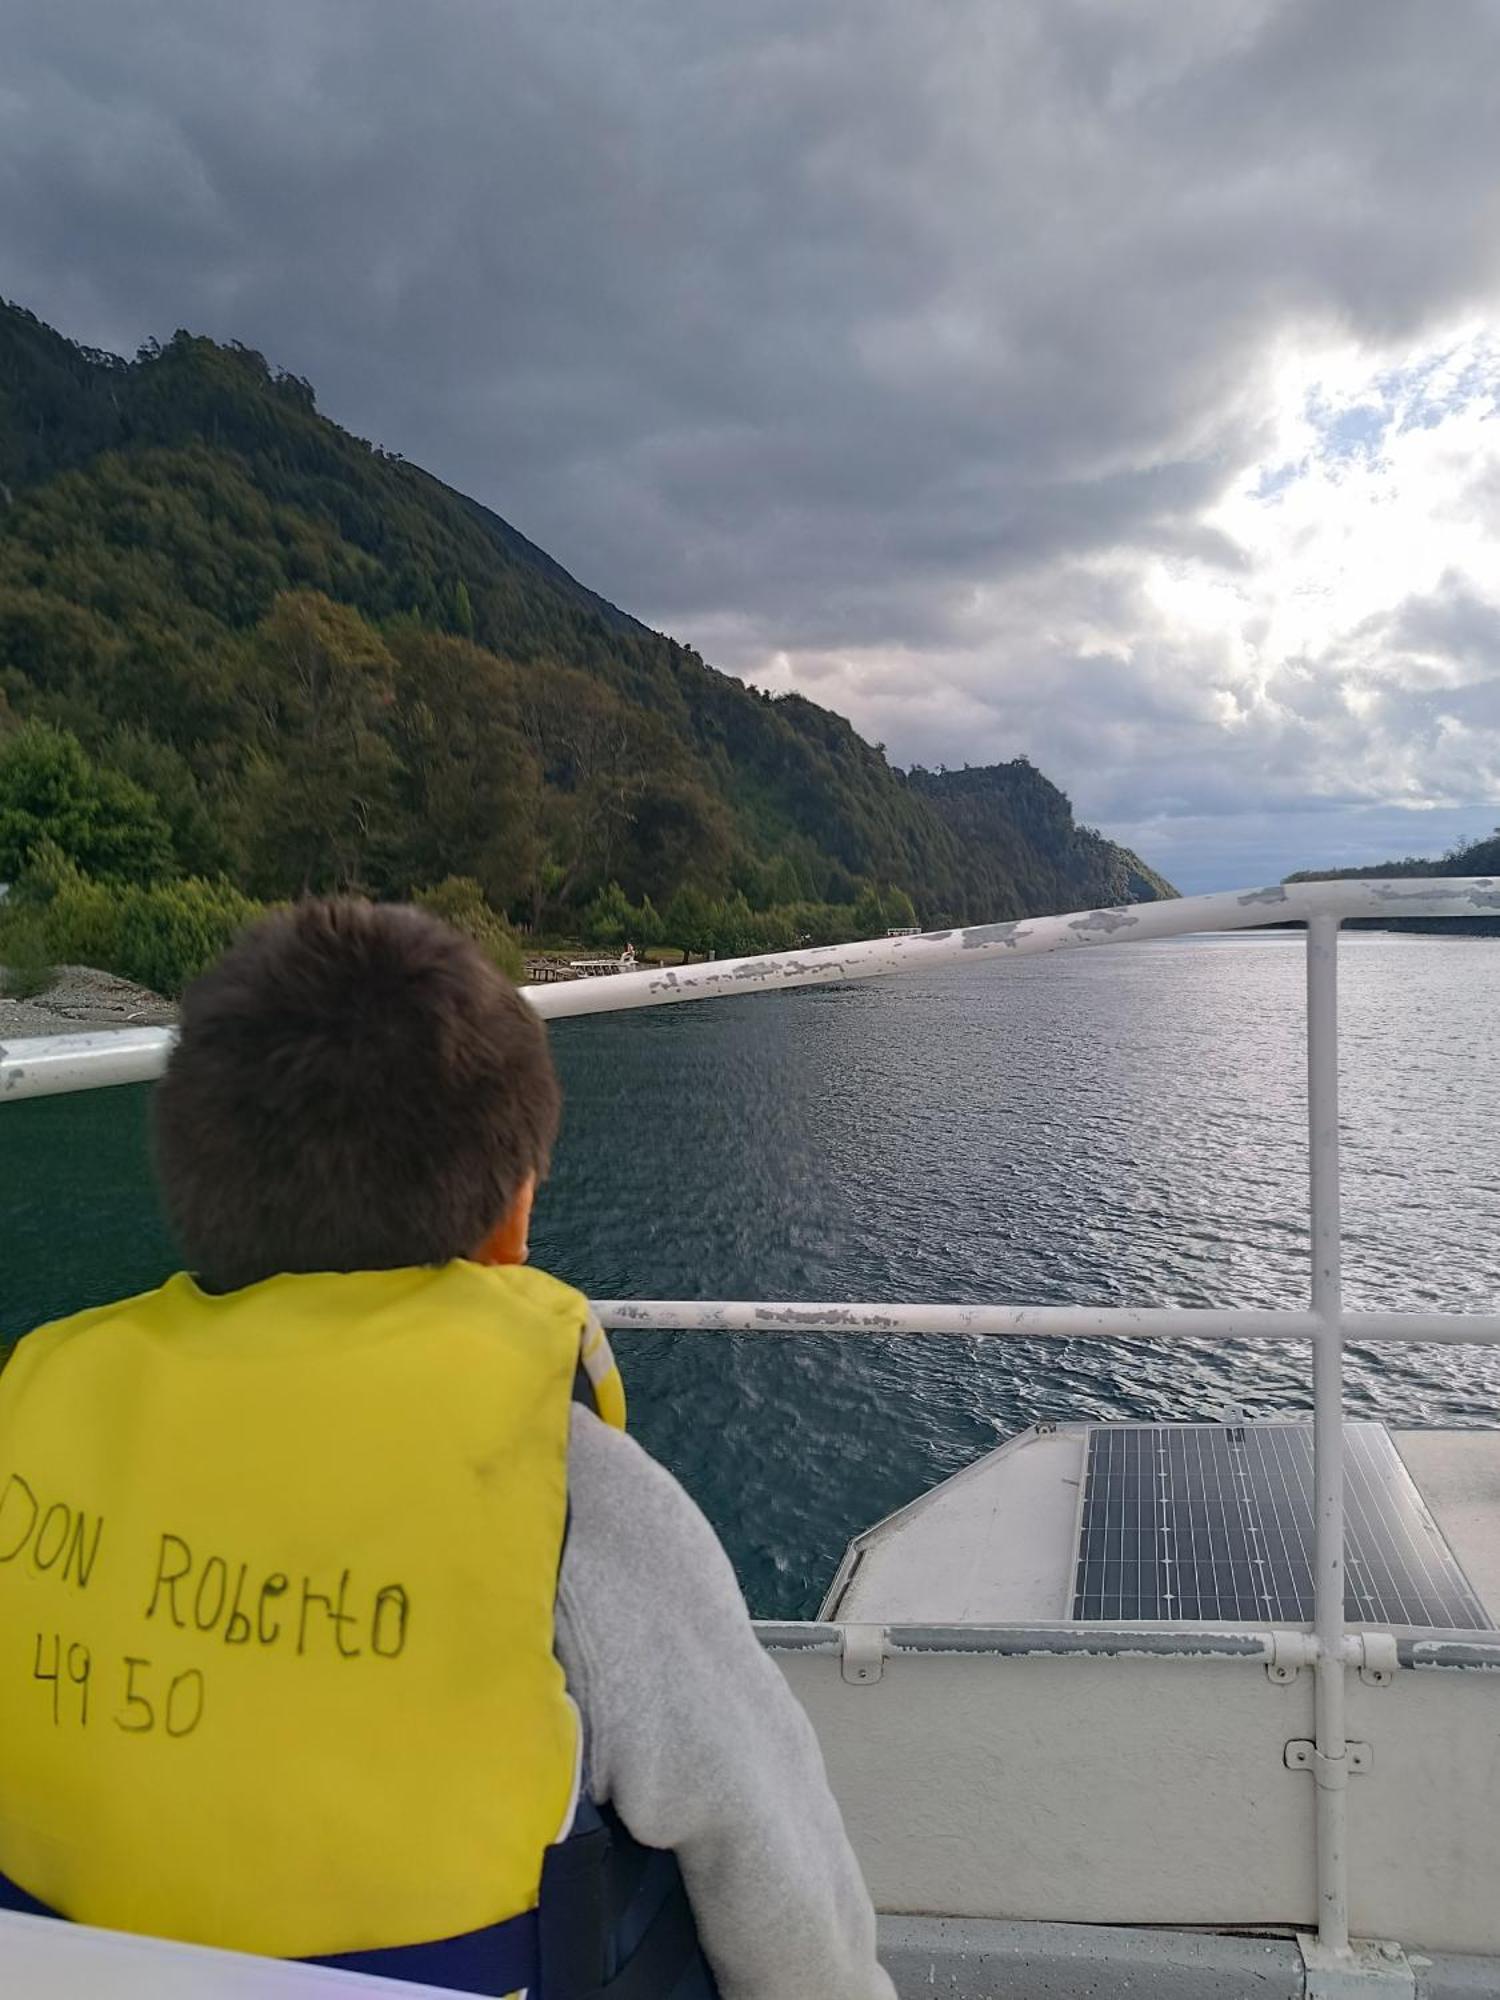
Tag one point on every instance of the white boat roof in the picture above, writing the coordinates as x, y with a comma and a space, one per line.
1458, 1475
995, 1544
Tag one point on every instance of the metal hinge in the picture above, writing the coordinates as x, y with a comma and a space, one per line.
1371, 1969
1332, 1773
863, 1653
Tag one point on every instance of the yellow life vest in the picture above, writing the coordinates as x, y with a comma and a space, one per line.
277, 1580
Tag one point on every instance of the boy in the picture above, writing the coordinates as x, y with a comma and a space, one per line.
320, 1597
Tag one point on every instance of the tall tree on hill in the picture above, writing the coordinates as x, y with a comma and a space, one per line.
52, 792
599, 758
469, 786
679, 832
318, 791
463, 610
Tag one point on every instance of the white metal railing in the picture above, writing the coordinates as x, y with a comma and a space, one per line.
41, 1067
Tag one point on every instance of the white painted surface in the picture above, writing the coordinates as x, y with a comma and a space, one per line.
1424, 1829
1140, 1791
1458, 1475
1084, 1790
991, 1546
1330, 1749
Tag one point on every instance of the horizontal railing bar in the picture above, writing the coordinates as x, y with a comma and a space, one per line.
1458, 1329
1227, 910
1291, 1646
48, 1065
1017, 1322
44, 1066
994, 1322
1468, 1652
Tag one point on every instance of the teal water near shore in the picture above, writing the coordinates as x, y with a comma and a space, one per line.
1116, 1126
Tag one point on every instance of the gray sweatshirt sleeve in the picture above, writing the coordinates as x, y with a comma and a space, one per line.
696, 1740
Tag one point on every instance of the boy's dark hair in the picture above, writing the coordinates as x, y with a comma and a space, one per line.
356, 1088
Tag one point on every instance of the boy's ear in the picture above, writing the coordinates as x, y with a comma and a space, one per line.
507, 1242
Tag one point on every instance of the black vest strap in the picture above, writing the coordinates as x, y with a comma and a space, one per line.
14, 1897
668, 1964
573, 1932
615, 1922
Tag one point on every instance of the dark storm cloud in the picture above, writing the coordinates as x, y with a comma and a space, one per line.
855, 331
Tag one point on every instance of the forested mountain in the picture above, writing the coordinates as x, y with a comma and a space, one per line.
323, 668
1020, 819
1478, 857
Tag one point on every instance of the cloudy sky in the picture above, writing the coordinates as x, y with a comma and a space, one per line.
1112, 380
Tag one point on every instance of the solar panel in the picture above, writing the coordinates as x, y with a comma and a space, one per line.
1214, 1523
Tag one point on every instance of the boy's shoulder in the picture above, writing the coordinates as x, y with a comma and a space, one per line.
42, 1341
529, 1283
525, 1285
625, 1508
179, 1301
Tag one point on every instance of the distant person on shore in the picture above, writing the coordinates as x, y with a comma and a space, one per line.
339, 1618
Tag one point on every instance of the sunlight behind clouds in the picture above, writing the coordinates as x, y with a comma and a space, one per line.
1335, 646
1384, 480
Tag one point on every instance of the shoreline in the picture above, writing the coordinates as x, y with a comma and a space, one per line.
83, 999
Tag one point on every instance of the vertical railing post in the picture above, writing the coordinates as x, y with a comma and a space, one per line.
1330, 1765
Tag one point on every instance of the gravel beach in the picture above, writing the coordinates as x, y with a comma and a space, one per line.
82, 1000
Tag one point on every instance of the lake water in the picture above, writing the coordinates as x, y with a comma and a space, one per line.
1113, 1127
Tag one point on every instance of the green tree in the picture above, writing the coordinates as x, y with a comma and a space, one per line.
160, 934
165, 774
469, 791
460, 901
80, 918
734, 932
601, 758
610, 919
51, 790
26, 961
317, 796
783, 883
773, 930
819, 923
900, 911
171, 932
689, 920
677, 832
867, 919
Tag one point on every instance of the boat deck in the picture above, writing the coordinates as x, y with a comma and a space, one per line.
1458, 1475
996, 1543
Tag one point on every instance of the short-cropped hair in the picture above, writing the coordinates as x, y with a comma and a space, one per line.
355, 1088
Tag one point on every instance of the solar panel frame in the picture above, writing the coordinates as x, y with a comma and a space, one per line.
1213, 1524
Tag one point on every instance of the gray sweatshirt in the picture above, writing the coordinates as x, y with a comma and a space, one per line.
696, 1740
